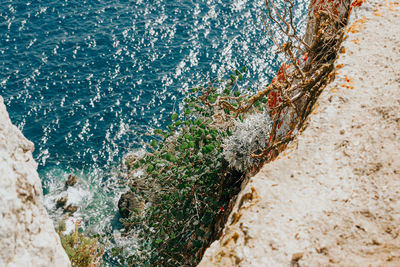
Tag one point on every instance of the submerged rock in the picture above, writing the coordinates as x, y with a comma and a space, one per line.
70, 209
127, 203
72, 180
61, 202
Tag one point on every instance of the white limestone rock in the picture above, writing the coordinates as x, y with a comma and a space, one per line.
27, 235
333, 197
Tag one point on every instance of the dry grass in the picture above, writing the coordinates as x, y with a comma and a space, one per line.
82, 251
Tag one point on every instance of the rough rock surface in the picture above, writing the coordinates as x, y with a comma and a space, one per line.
27, 235
127, 204
332, 198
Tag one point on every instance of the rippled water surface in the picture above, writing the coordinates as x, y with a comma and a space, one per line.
85, 79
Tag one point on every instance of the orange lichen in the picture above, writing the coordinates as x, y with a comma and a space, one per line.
355, 41
274, 99
357, 25
339, 66
281, 75
348, 83
392, 5
378, 13
356, 3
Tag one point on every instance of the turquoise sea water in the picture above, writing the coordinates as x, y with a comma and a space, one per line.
84, 80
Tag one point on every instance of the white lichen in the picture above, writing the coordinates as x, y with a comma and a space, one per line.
248, 137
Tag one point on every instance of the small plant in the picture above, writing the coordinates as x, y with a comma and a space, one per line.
82, 251
249, 136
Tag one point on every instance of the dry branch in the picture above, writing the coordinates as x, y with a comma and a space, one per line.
298, 83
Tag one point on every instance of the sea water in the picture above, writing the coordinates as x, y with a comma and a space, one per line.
86, 79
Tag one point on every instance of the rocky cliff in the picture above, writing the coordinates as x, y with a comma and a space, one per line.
333, 197
27, 235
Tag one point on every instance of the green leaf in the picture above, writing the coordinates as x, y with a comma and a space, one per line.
174, 116
150, 168
200, 132
210, 147
188, 111
244, 69
207, 149
171, 158
184, 145
153, 143
240, 77
158, 241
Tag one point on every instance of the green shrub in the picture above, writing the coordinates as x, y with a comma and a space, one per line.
185, 181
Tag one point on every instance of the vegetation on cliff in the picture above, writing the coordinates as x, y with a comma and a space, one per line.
185, 183
83, 251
